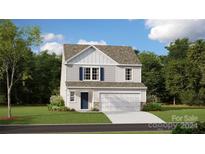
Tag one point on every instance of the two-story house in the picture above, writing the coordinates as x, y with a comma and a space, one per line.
101, 76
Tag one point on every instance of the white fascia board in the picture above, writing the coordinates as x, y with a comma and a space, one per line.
66, 62
139, 88
77, 54
117, 64
105, 54
122, 65
131, 65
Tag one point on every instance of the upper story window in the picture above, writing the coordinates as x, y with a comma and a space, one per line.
128, 74
91, 73
95, 73
87, 73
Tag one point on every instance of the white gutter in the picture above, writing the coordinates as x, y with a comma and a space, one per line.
144, 88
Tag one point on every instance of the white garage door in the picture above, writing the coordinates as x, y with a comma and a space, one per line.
120, 102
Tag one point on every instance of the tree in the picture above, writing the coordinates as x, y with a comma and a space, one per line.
40, 79
152, 75
196, 56
46, 80
14, 44
178, 49
176, 78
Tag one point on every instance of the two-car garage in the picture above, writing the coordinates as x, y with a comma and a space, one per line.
121, 106
111, 102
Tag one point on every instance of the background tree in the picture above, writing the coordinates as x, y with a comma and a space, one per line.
152, 75
176, 79
14, 45
196, 56
41, 81
46, 76
178, 49
176, 69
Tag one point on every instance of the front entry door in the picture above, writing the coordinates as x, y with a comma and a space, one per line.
84, 100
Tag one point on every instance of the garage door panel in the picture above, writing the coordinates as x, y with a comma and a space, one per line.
120, 102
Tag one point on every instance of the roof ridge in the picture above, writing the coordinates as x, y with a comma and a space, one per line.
121, 54
97, 45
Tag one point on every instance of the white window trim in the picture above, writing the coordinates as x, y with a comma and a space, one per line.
91, 73
73, 96
84, 74
131, 74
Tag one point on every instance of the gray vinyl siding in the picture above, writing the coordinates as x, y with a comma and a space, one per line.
120, 74
136, 74
73, 73
109, 73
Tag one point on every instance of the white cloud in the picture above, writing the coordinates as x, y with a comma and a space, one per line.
134, 48
52, 37
101, 42
131, 19
169, 30
52, 47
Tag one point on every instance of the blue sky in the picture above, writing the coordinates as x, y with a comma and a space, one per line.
133, 33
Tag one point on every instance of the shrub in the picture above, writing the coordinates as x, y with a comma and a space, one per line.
96, 105
49, 107
199, 129
56, 100
57, 108
95, 109
57, 104
152, 107
64, 108
72, 110
179, 129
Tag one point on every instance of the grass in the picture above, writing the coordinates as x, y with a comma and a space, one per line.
181, 106
41, 115
181, 113
128, 132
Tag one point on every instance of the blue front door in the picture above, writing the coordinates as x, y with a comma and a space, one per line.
84, 100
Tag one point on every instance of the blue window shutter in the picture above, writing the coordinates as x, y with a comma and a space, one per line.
101, 74
81, 73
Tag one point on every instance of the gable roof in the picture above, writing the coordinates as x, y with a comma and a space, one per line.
121, 54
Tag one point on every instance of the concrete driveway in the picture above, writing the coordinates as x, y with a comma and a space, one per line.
132, 117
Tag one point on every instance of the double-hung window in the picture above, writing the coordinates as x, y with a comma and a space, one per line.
95, 73
128, 74
72, 96
87, 73
91, 73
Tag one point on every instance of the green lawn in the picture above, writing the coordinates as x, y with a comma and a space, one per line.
128, 132
41, 115
181, 113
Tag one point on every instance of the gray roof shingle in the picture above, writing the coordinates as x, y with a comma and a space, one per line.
101, 84
121, 54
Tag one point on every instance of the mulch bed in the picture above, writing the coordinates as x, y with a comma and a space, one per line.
7, 118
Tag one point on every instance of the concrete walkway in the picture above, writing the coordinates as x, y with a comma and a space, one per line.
133, 117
